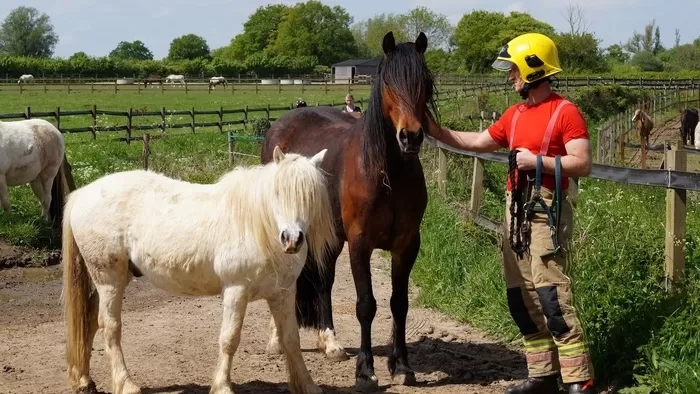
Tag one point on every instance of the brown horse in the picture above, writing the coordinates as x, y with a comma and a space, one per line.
377, 186
153, 78
643, 126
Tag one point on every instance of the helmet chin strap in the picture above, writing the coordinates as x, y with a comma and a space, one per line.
525, 91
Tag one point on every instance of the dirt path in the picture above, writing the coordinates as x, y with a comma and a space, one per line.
170, 343
664, 132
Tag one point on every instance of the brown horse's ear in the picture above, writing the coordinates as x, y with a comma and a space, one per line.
388, 44
421, 43
277, 154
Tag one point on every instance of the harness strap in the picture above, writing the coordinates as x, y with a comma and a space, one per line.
530, 206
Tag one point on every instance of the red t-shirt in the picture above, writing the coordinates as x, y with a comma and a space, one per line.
530, 129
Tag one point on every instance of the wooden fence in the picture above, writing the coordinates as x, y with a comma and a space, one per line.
303, 84
674, 178
613, 133
162, 124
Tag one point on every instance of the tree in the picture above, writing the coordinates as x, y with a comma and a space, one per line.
259, 31
580, 52
27, 32
189, 47
616, 54
131, 51
315, 29
650, 41
435, 26
480, 34
576, 19
369, 34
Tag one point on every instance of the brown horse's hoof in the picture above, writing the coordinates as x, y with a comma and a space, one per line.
367, 385
404, 379
91, 388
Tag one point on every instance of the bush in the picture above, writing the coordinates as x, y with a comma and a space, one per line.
598, 103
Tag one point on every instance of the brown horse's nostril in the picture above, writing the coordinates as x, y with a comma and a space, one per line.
403, 137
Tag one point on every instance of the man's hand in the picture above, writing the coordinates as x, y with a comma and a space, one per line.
526, 160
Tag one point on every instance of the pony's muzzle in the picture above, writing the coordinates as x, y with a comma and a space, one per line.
292, 240
410, 141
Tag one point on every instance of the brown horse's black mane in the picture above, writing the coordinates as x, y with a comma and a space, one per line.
402, 71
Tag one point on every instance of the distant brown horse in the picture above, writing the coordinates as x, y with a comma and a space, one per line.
378, 190
153, 78
642, 126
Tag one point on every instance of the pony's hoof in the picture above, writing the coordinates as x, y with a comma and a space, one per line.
367, 385
273, 348
404, 379
89, 389
131, 388
337, 355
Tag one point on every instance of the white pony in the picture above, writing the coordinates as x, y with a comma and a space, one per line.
172, 78
697, 136
31, 151
26, 78
245, 237
213, 81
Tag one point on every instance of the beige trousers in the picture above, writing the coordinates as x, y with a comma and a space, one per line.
540, 299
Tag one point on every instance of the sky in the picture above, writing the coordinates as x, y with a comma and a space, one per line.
97, 26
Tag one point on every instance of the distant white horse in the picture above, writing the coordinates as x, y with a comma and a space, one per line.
245, 237
172, 78
213, 81
26, 78
31, 151
697, 136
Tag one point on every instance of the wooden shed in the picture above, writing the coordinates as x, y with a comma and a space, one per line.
360, 70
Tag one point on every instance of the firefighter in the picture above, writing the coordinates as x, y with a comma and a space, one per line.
549, 144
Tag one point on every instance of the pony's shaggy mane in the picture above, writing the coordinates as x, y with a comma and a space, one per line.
299, 189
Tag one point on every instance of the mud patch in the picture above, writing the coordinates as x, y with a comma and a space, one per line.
18, 256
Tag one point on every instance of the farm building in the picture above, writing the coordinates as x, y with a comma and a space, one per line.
358, 69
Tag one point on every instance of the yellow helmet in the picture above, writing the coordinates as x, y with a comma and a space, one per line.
535, 55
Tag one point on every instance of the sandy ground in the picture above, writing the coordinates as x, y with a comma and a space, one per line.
170, 342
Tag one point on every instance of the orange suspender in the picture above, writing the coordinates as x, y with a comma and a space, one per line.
548, 132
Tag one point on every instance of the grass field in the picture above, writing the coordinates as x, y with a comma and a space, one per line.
199, 157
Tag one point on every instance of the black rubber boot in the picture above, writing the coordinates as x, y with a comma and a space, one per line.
582, 388
543, 385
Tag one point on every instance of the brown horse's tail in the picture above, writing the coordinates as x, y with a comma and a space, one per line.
312, 284
76, 298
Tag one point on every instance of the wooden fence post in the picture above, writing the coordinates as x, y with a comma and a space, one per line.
231, 147
129, 117
477, 194
442, 169
93, 121
675, 219
191, 117
146, 149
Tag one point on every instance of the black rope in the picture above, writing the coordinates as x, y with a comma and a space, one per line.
518, 183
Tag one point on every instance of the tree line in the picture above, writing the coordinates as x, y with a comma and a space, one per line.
308, 37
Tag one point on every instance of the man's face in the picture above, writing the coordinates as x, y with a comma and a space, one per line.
350, 102
514, 76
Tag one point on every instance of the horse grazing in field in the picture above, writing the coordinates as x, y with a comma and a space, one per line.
152, 79
213, 81
245, 237
643, 124
31, 151
172, 78
689, 119
26, 78
378, 191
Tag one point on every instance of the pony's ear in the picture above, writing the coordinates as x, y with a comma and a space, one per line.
277, 154
388, 44
421, 43
318, 157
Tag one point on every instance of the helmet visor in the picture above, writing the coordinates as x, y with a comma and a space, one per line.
502, 65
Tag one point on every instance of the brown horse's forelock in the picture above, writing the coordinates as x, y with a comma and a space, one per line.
404, 76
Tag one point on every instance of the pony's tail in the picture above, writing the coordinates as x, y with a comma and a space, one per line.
76, 298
